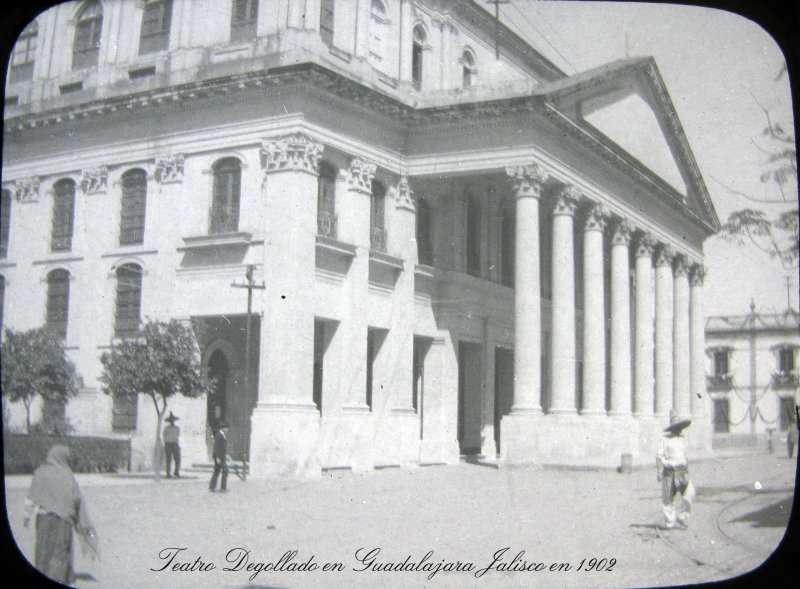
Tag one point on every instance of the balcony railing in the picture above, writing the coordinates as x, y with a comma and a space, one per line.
223, 220
785, 379
327, 223
719, 381
378, 239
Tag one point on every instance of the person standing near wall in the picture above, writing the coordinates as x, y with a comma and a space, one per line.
672, 464
55, 499
172, 434
220, 459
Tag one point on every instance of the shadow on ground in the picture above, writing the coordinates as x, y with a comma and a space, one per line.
771, 516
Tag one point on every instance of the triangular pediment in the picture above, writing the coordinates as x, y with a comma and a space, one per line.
624, 106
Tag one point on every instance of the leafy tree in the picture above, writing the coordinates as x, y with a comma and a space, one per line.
161, 362
36, 365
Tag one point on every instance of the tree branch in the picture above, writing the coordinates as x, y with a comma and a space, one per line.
747, 196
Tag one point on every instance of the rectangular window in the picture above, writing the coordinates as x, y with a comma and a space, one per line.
786, 360
721, 419
63, 217
787, 415
5, 222
134, 197
57, 311
87, 43
124, 413
244, 20
326, 21
22, 57
129, 300
721, 363
156, 21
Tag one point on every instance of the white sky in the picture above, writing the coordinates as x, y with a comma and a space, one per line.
711, 62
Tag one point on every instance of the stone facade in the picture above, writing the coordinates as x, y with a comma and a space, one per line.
455, 261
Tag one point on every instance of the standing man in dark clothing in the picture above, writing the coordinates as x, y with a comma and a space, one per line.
172, 434
220, 458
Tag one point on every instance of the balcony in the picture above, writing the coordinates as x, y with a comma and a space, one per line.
786, 379
378, 239
719, 382
327, 224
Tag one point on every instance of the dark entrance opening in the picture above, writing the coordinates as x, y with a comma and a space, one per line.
469, 398
503, 388
218, 369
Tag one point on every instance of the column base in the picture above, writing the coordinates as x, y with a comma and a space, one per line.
284, 440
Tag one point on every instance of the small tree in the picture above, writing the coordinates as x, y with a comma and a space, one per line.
162, 362
34, 364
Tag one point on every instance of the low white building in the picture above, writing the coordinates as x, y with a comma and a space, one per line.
464, 249
752, 375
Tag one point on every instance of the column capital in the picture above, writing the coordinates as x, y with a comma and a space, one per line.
664, 255
297, 152
402, 195
645, 245
567, 200
622, 233
698, 275
360, 175
527, 179
680, 266
596, 217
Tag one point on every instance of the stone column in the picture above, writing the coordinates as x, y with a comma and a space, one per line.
680, 330
663, 335
488, 446
562, 340
620, 322
527, 184
594, 327
697, 344
643, 346
285, 422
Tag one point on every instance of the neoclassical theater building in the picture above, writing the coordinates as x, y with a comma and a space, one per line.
464, 250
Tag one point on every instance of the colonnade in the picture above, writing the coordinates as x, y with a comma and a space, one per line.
654, 368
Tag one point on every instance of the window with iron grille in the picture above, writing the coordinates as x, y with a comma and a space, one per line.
129, 300
224, 215
424, 236
5, 222
244, 20
57, 302
63, 216
86, 47
376, 217
474, 223
326, 20
124, 413
23, 55
156, 21
134, 199
326, 200
416, 57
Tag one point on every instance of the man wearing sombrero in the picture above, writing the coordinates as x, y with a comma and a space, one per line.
673, 473
172, 448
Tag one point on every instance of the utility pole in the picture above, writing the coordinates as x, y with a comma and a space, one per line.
250, 285
497, 4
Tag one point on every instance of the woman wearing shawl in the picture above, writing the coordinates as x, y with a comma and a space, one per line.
58, 504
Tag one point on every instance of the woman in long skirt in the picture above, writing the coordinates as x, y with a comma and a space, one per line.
56, 501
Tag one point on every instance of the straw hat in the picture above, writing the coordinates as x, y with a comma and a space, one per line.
677, 424
172, 418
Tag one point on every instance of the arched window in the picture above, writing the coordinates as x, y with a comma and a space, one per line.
416, 56
57, 312
376, 217
326, 200
326, 20
23, 55
134, 199
156, 21
244, 20
473, 241
86, 46
224, 217
378, 26
63, 216
468, 72
507, 239
5, 222
424, 235
129, 300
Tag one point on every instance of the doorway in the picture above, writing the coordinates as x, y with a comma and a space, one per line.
503, 388
469, 397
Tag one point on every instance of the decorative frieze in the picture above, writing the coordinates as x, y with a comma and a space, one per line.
296, 152
94, 180
567, 201
168, 169
27, 189
597, 217
360, 175
402, 195
527, 179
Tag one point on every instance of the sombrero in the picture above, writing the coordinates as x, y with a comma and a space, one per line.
677, 424
172, 417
